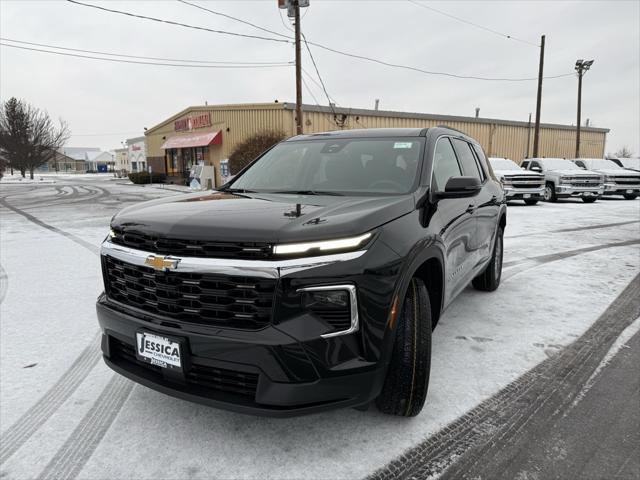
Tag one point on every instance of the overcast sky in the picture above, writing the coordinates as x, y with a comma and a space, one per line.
106, 102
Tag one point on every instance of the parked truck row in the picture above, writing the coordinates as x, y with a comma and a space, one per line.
552, 178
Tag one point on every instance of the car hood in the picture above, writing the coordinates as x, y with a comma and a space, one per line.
506, 173
616, 173
576, 173
223, 216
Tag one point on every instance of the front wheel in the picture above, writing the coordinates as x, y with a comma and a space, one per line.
489, 280
630, 196
550, 192
531, 201
589, 199
405, 387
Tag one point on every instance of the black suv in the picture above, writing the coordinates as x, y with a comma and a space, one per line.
310, 281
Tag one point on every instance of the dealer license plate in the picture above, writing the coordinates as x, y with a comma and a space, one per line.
629, 191
527, 195
158, 350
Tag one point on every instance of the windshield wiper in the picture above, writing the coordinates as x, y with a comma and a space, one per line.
238, 190
311, 192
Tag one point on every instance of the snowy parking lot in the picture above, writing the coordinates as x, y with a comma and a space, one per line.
64, 414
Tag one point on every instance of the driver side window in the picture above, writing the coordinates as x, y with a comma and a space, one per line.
445, 164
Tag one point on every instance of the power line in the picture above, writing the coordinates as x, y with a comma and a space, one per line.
119, 60
186, 25
304, 82
142, 57
324, 88
495, 32
273, 32
324, 47
394, 65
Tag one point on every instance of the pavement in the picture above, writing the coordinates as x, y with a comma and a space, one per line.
506, 365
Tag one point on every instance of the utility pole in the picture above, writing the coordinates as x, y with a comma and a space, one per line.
581, 67
536, 134
296, 8
526, 155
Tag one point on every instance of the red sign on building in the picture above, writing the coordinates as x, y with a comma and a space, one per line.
191, 123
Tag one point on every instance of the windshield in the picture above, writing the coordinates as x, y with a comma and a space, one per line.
601, 164
336, 166
559, 164
631, 162
503, 164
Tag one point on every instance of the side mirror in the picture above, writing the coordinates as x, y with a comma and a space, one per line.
536, 169
459, 187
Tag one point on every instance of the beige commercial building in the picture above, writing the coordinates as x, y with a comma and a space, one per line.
208, 134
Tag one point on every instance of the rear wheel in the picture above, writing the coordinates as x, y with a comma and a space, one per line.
630, 196
531, 201
589, 199
489, 280
405, 387
550, 192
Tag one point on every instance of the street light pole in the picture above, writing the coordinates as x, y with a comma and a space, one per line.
581, 67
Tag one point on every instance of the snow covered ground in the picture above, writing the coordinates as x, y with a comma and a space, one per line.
64, 414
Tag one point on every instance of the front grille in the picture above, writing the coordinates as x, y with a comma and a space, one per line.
585, 184
220, 379
191, 248
627, 180
525, 181
583, 181
209, 299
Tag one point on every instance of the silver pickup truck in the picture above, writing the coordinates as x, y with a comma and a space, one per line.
517, 183
564, 179
617, 180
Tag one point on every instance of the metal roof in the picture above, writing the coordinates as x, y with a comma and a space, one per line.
366, 112
364, 133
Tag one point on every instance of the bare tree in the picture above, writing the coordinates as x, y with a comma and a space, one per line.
28, 136
624, 152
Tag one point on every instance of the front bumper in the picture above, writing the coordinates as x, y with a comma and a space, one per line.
513, 193
617, 189
287, 368
575, 191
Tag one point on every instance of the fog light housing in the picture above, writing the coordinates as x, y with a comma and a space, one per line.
329, 300
336, 305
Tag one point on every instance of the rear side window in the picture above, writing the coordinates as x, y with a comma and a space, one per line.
445, 164
467, 159
482, 161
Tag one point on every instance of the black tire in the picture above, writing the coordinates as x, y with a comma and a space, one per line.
630, 196
589, 199
405, 387
531, 201
489, 280
550, 192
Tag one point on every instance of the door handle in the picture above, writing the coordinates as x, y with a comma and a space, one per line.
471, 209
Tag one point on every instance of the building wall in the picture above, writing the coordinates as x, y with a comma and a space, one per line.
499, 138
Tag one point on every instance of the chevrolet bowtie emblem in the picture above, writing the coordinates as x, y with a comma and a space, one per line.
162, 263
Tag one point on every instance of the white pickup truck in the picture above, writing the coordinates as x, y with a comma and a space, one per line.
564, 179
517, 183
617, 180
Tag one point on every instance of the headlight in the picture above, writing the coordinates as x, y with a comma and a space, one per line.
323, 246
609, 179
565, 179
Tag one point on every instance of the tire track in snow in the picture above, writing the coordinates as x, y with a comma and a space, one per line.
518, 266
89, 246
76, 451
574, 229
18, 434
4, 283
464, 444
